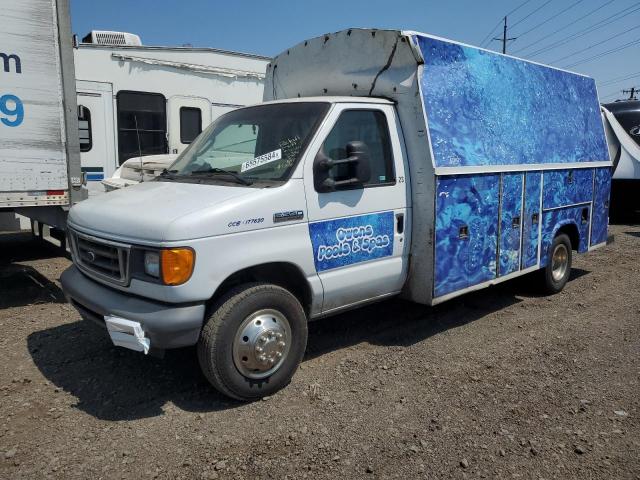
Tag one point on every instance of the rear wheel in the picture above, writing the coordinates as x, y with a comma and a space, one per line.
556, 273
253, 341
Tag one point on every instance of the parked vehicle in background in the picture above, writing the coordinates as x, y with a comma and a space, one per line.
40, 175
382, 163
140, 100
624, 120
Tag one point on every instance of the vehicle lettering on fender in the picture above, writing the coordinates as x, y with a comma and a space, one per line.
345, 241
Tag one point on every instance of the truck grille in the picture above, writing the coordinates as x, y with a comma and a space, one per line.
103, 259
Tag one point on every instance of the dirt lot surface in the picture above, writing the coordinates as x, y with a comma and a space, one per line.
501, 383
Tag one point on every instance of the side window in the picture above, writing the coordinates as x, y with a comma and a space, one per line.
370, 127
190, 124
142, 124
84, 128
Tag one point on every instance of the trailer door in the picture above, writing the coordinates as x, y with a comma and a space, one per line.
188, 116
96, 133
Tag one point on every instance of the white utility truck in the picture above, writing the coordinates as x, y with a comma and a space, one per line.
40, 173
382, 163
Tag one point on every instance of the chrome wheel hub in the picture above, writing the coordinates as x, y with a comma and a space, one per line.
261, 344
559, 262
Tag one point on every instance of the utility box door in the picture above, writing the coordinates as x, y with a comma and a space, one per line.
531, 219
510, 222
466, 234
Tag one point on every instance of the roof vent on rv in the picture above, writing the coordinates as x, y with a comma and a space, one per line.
104, 37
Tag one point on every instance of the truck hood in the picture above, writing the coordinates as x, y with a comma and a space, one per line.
154, 211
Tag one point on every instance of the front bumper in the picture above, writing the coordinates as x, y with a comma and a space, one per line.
166, 325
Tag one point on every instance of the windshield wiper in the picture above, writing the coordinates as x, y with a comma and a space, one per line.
221, 171
169, 174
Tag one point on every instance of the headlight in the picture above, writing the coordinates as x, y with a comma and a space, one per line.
177, 265
152, 264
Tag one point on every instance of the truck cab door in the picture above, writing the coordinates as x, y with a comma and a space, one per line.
188, 116
358, 233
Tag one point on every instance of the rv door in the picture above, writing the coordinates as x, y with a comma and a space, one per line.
188, 116
96, 132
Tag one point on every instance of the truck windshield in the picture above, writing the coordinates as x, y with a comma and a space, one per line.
254, 144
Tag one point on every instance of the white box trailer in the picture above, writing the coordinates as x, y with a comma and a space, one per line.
40, 173
169, 93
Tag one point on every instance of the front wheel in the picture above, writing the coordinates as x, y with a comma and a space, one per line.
556, 273
253, 341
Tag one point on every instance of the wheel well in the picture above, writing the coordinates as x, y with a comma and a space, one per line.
571, 230
285, 275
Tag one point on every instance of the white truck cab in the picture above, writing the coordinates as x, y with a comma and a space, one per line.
312, 203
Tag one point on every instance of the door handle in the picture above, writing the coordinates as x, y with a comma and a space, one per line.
463, 232
400, 222
515, 222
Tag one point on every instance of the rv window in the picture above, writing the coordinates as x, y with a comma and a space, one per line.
142, 124
84, 128
370, 127
190, 124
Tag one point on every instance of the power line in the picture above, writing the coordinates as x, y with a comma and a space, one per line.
555, 15
595, 44
488, 36
584, 31
536, 42
622, 78
603, 54
532, 13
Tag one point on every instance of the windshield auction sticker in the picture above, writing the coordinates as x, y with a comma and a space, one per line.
344, 241
261, 160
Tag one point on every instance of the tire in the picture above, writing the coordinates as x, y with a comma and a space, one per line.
555, 275
247, 318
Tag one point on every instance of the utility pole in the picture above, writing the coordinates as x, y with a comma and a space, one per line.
504, 38
632, 93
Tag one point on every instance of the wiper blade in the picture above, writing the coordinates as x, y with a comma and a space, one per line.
169, 174
221, 171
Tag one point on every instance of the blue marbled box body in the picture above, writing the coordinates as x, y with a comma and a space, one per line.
488, 109
492, 225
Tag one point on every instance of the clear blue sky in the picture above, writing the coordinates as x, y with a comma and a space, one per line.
269, 27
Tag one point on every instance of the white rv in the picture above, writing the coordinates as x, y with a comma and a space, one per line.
137, 100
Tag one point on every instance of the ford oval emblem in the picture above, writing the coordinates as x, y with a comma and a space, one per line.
92, 256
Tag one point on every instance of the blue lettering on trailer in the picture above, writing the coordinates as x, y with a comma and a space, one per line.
345, 241
11, 110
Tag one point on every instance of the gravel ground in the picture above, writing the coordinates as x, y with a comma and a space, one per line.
501, 383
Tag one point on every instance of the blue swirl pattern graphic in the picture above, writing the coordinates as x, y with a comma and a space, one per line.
600, 220
554, 219
511, 210
567, 187
462, 260
488, 109
531, 220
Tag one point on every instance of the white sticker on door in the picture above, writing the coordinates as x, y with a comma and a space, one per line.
261, 160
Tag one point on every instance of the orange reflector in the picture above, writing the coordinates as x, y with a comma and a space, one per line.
177, 265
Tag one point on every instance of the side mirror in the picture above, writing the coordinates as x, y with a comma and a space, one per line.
355, 169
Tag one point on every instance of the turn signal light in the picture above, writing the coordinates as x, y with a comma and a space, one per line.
177, 265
